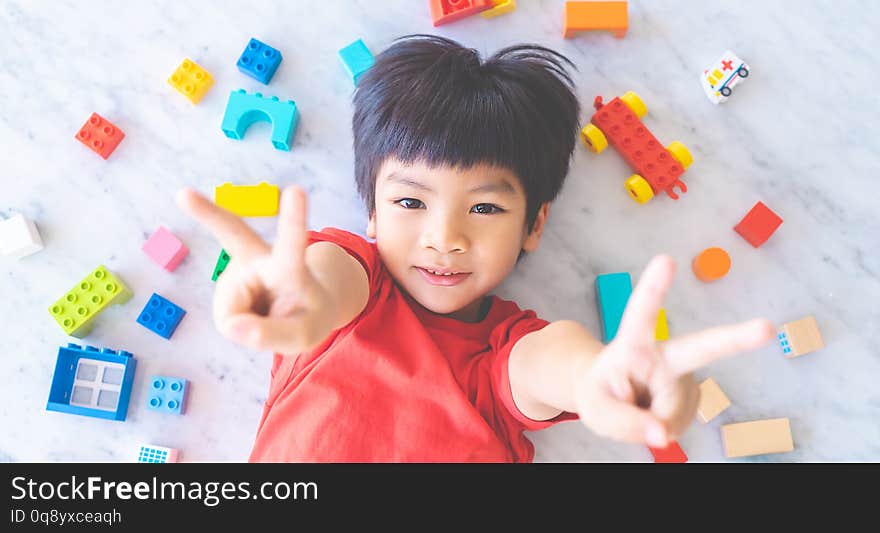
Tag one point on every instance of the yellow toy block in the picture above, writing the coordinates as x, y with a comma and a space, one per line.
76, 310
248, 200
661, 331
191, 80
757, 438
500, 7
713, 401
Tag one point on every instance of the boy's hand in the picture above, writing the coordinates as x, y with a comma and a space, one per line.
266, 299
639, 390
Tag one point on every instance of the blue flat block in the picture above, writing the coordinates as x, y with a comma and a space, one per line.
160, 316
357, 59
167, 394
244, 109
92, 382
259, 61
612, 294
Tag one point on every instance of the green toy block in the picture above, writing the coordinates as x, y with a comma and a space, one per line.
222, 261
612, 294
76, 310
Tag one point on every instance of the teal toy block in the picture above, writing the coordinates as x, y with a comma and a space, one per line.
244, 109
167, 395
357, 59
612, 294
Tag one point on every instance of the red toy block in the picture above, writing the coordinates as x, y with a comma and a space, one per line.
100, 135
670, 454
446, 11
758, 224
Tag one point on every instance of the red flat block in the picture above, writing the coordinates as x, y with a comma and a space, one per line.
100, 135
758, 224
446, 11
670, 454
635, 142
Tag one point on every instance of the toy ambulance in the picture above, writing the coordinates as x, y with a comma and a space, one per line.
720, 79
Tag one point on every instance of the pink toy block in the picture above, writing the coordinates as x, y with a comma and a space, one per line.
165, 249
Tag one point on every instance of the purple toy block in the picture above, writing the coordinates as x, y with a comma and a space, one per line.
165, 249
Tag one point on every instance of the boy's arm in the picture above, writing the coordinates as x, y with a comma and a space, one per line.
343, 278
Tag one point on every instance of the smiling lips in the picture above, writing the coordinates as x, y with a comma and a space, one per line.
442, 276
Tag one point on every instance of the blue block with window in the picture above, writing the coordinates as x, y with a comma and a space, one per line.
92, 382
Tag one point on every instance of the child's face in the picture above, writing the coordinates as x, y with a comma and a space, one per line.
470, 222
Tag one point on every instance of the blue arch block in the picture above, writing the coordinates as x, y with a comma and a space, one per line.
244, 109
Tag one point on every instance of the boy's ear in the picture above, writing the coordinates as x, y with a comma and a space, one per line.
371, 225
534, 237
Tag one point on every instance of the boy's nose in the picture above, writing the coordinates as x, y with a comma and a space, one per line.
445, 238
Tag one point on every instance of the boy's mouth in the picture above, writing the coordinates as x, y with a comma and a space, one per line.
442, 276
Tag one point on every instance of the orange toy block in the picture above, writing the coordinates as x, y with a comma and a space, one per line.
589, 16
713, 401
711, 264
757, 438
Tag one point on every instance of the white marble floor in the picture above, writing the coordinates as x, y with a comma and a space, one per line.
801, 135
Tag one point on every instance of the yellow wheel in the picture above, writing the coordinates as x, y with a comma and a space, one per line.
639, 189
593, 138
635, 104
680, 153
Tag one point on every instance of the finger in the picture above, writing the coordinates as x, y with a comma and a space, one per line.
691, 352
622, 421
676, 405
290, 247
232, 232
640, 318
285, 335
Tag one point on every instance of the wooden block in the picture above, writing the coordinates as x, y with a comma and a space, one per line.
588, 16
757, 438
800, 337
713, 401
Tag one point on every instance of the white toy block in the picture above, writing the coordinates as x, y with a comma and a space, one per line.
19, 237
150, 453
719, 79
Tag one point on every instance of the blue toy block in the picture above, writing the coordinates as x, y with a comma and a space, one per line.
167, 395
92, 382
259, 61
612, 294
244, 109
357, 59
161, 316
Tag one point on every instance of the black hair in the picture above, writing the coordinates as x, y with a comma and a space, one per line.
430, 99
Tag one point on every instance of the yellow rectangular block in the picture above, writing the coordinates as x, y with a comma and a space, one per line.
500, 7
248, 200
800, 337
661, 331
713, 401
191, 80
757, 438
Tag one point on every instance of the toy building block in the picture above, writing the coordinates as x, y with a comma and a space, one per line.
758, 224
672, 453
165, 249
167, 395
661, 330
711, 264
244, 109
161, 316
800, 337
758, 437
248, 200
92, 382
75, 311
259, 61
720, 79
612, 294
19, 237
191, 80
150, 453
500, 7
357, 59
222, 261
658, 169
589, 16
446, 11
713, 401
100, 135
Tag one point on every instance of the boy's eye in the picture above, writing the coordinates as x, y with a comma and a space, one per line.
486, 209
410, 203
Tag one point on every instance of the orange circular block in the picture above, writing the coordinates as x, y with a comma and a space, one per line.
711, 264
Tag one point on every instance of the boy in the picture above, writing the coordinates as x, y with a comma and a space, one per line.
394, 350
